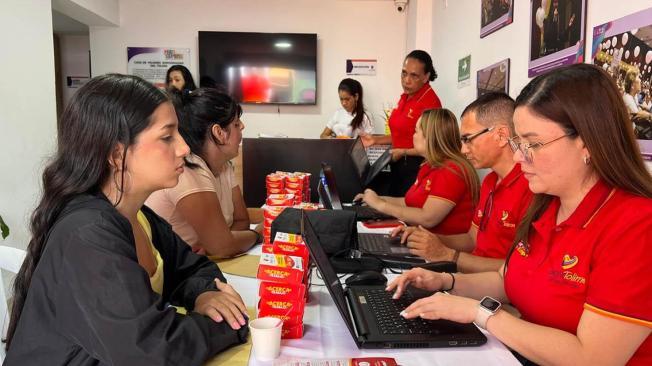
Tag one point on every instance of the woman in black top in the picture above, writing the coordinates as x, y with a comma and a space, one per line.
84, 295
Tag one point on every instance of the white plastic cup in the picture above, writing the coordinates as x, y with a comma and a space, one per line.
266, 337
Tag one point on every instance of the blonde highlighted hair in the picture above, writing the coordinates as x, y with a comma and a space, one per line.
443, 144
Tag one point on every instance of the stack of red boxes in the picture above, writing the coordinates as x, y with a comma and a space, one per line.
284, 190
283, 271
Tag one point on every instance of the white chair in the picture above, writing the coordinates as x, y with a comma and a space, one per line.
10, 260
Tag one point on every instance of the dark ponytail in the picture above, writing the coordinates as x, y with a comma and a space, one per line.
198, 111
426, 60
353, 87
108, 110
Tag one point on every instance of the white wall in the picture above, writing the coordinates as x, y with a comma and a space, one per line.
456, 33
75, 61
345, 29
27, 109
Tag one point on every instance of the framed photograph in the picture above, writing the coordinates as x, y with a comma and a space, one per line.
556, 34
494, 78
494, 15
623, 47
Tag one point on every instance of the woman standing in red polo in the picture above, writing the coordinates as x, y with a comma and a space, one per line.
579, 271
417, 96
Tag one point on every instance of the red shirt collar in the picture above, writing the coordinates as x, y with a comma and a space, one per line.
509, 179
419, 94
583, 214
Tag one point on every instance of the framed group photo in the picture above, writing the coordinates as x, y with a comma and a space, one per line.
494, 15
557, 36
623, 47
494, 78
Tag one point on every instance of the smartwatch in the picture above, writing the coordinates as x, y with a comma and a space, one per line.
488, 306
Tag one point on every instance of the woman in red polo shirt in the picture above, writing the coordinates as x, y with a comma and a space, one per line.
417, 96
579, 271
443, 195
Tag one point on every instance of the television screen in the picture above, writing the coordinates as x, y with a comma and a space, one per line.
267, 68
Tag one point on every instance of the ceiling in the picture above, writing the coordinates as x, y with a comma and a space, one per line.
63, 24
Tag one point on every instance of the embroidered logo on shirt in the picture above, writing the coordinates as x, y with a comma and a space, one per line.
503, 219
522, 249
410, 113
428, 185
568, 262
480, 214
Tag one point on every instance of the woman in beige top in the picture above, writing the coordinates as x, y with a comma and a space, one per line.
206, 208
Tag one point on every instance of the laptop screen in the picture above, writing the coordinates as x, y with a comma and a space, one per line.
327, 189
329, 276
360, 159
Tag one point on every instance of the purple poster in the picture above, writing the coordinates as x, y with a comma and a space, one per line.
556, 34
494, 15
623, 47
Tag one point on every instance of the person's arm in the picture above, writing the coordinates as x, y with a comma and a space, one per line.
430, 215
368, 140
113, 314
240, 216
203, 212
398, 154
327, 133
540, 344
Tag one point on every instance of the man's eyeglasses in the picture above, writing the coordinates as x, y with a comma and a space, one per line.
468, 138
527, 149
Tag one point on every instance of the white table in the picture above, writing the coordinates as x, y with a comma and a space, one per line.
326, 336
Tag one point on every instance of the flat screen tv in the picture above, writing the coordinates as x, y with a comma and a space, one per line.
260, 68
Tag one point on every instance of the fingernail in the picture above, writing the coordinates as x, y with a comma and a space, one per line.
235, 325
395, 296
403, 314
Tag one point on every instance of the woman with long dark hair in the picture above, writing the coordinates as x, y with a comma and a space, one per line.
579, 270
206, 208
351, 120
102, 269
179, 78
445, 191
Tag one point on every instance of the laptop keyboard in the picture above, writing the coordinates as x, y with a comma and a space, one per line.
387, 312
367, 213
373, 242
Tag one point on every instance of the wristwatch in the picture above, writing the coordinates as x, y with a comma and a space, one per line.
488, 306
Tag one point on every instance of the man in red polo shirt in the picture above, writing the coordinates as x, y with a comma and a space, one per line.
486, 124
417, 96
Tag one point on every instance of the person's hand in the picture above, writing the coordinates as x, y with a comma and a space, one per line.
443, 306
419, 278
370, 198
259, 228
427, 245
403, 231
397, 154
225, 304
367, 140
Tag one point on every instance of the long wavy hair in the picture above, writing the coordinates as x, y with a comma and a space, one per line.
443, 144
188, 81
598, 115
353, 87
108, 110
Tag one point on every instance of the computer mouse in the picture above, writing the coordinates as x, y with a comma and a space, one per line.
366, 278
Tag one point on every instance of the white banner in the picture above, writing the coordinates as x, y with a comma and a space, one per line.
152, 63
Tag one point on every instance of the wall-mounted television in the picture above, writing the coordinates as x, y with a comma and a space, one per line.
260, 68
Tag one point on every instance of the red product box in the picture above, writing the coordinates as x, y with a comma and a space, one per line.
287, 319
287, 249
280, 268
280, 199
285, 291
288, 238
292, 331
275, 191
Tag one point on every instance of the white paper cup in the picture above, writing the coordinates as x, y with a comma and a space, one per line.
266, 337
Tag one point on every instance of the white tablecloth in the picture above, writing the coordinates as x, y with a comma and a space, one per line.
326, 336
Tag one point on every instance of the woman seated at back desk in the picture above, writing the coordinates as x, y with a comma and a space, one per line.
206, 208
351, 120
446, 189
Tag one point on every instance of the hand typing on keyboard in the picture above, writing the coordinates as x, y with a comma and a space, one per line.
438, 306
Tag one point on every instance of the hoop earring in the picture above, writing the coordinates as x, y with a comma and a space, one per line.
587, 160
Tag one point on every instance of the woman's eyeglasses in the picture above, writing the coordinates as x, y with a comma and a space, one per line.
526, 149
468, 138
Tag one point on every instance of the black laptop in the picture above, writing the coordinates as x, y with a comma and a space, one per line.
367, 172
329, 197
372, 316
